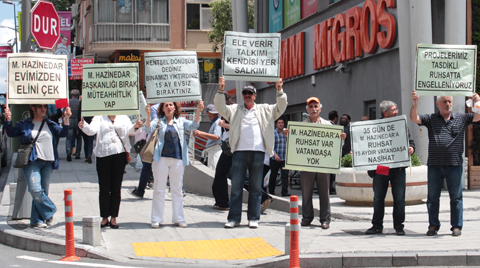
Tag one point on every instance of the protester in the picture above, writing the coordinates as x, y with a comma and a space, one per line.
277, 162
308, 179
251, 132
333, 117
139, 191
43, 159
213, 150
74, 104
170, 158
111, 148
446, 132
347, 146
397, 180
88, 142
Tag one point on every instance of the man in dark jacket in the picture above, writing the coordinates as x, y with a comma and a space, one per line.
397, 180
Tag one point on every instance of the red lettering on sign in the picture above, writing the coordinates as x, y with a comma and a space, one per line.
386, 39
353, 33
338, 50
300, 52
292, 64
369, 13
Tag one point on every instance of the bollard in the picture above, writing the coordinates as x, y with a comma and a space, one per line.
287, 238
69, 238
91, 230
294, 232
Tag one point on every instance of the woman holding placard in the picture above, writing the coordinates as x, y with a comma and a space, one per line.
111, 149
43, 157
170, 158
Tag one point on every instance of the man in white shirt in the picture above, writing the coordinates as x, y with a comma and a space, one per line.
251, 132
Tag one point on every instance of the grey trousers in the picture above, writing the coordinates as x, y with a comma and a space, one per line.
307, 182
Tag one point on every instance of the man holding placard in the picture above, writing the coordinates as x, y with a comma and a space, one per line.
397, 180
446, 132
251, 132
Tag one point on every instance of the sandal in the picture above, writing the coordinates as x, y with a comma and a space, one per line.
105, 225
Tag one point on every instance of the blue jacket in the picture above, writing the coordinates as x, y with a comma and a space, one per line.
24, 128
181, 125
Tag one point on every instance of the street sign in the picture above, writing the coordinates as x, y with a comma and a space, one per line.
45, 26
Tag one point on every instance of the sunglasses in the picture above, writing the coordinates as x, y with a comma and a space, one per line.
244, 93
42, 105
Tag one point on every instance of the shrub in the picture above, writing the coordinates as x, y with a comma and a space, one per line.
415, 160
347, 160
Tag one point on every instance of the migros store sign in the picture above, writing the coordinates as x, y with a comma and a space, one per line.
344, 37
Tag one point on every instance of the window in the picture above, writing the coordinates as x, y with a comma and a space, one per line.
209, 68
370, 109
198, 16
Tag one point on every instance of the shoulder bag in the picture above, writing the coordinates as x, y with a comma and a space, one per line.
128, 157
25, 150
148, 150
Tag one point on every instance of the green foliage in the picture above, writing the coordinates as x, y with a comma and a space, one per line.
221, 20
415, 160
63, 5
476, 36
347, 160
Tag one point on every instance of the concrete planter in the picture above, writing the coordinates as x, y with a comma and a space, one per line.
360, 192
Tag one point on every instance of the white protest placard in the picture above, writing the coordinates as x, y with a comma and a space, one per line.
445, 70
36, 78
110, 89
380, 142
172, 76
314, 147
142, 105
251, 56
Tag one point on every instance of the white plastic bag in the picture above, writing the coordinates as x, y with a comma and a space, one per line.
475, 108
266, 180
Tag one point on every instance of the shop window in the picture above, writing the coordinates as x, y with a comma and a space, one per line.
209, 68
370, 109
198, 16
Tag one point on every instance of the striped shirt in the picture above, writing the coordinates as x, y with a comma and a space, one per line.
280, 147
446, 138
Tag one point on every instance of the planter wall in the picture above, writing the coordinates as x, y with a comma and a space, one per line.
360, 191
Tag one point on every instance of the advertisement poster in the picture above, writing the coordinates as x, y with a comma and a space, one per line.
110, 89
275, 15
64, 46
77, 68
4, 50
291, 12
445, 70
172, 76
380, 142
251, 56
314, 147
36, 78
309, 7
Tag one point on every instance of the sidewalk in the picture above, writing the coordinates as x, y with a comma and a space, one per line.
344, 244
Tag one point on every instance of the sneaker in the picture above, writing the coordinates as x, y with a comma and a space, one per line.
432, 230
77, 157
232, 224
400, 232
39, 225
456, 232
69, 157
135, 193
252, 224
150, 185
181, 224
265, 205
155, 224
49, 222
89, 159
374, 230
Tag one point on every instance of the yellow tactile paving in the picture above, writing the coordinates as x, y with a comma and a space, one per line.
222, 249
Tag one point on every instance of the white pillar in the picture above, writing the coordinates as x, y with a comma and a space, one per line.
240, 24
414, 27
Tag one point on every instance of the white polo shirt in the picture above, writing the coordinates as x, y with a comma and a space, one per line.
251, 138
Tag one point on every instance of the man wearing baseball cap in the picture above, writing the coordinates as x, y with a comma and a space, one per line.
251, 133
308, 179
213, 150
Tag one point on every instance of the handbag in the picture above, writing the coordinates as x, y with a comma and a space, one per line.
128, 157
226, 146
25, 150
138, 146
149, 149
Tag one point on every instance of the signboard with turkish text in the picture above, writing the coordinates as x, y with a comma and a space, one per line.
77, 66
5, 50
251, 56
172, 76
275, 14
110, 89
314, 147
309, 7
36, 78
291, 12
380, 142
45, 26
446, 70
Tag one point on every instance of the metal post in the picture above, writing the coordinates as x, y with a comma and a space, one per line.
15, 21
26, 43
240, 24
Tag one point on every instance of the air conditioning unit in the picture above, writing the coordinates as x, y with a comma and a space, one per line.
75, 11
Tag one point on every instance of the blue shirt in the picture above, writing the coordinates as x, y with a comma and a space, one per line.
171, 147
280, 147
216, 130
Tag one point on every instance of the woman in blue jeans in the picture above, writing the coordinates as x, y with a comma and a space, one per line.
43, 159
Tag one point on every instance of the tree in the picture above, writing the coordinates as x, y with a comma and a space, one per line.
221, 20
